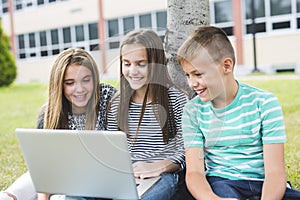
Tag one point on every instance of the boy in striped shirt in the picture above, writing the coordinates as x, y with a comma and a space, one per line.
233, 133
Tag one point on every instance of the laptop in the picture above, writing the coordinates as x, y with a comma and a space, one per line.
81, 163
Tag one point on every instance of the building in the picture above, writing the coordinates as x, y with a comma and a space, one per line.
43, 28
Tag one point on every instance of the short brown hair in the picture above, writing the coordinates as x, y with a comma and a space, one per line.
211, 38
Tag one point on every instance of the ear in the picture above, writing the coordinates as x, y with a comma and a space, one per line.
227, 65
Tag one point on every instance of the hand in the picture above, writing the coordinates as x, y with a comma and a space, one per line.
7, 196
146, 170
43, 196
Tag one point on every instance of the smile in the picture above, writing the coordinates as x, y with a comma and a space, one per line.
80, 97
136, 78
199, 92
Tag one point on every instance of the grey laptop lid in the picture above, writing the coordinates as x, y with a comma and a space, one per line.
80, 163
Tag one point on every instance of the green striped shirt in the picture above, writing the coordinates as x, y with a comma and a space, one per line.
233, 137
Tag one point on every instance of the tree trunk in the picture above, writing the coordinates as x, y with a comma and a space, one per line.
183, 17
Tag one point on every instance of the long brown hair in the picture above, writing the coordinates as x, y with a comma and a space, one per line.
58, 107
157, 87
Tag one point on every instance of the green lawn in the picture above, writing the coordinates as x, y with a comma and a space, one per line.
20, 104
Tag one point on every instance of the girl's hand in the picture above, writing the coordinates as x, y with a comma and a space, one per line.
146, 170
43, 196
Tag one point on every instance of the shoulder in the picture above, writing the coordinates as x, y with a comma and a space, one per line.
176, 94
116, 97
40, 121
250, 92
107, 91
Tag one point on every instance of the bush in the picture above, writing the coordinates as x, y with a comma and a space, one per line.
8, 68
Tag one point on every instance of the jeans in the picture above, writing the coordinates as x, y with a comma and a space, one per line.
162, 190
244, 189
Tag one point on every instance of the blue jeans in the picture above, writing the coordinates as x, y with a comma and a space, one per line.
164, 189
244, 189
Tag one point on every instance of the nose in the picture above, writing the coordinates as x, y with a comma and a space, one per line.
133, 69
78, 87
193, 82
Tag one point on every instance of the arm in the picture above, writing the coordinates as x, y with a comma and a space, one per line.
275, 177
153, 169
195, 175
273, 137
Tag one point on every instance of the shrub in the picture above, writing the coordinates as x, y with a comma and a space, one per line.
8, 68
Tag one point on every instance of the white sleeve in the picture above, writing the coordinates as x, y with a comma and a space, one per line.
23, 188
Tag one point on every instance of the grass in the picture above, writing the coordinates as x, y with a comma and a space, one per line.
20, 105
287, 92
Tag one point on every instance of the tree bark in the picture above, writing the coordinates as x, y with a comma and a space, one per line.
183, 17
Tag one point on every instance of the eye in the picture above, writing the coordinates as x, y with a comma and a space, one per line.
69, 83
126, 64
86, 80
198, 74
142, 64
187, 75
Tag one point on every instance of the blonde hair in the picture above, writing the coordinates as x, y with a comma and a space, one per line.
211, 38
58, 107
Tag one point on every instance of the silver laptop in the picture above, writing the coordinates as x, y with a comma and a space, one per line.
81, 163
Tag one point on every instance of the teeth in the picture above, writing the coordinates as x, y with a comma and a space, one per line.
200, 91
136, 79
79, 96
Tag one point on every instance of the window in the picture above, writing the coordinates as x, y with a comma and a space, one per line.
67, 35
93, 31
113, 28
54, 36
32, 54
22, 55
55, 51
223, 11
29, 4
18, 4
31, 40
4, 6
281, 25
43, 38
94, 47
21, 41
79, 33
259, 27
40, 2
259, 8
128, 24
145, 21
161, 20
228, 30
279, 7
114, 45
298, 6
44, 53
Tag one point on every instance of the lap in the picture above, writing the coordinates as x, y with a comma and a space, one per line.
162, 190
244, 189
